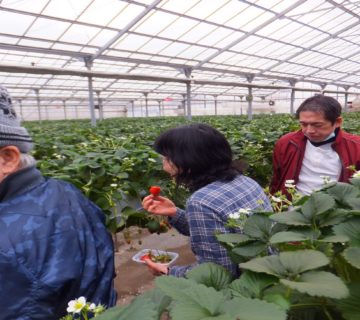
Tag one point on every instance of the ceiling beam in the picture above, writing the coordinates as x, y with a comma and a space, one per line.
125, 29
88, 73
247, 34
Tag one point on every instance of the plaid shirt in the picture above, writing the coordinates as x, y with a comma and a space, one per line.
206, 213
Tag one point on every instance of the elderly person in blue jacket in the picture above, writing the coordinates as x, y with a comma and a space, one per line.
54, 246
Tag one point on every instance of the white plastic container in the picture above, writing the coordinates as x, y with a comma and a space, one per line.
155, 252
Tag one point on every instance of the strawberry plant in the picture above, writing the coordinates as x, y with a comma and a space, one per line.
319, 279
114, 164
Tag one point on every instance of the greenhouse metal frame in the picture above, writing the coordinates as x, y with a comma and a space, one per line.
98, 53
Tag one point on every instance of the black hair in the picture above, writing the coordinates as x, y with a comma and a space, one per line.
200, 153
328, 106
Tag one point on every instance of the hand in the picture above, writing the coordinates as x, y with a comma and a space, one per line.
157, 269
159, 205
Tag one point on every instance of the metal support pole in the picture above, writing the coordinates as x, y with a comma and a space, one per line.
292, 96
88, 63
101, 111
64, 106
38, 103
250, 99
183, 102
21, 109
188, 100
215, 102
346, 101
292, 101
132, 108
241, 110
146, 104
91, 102
187, 72
159, 102
322, 86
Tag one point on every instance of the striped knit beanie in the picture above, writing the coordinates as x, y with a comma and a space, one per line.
11, 133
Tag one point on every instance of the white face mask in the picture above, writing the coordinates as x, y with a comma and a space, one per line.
331, 135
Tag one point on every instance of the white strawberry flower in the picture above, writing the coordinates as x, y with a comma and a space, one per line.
246, 211
235, 215
276, 199
290, 184
75, 306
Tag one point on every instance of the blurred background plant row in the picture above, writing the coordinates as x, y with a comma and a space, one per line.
114, 164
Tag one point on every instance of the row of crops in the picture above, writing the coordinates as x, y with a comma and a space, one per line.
114, 164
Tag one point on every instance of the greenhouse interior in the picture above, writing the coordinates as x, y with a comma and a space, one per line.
100, 59
100, 86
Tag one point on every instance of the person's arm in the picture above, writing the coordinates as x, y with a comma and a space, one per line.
276, 167
41, 279
165, 207
204, 223
180, 222
18, 286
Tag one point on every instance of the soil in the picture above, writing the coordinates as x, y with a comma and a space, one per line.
134, 278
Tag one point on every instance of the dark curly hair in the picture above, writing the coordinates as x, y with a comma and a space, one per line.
200, 153
328, 106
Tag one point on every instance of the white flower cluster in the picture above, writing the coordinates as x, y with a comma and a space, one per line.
75, 306
276, 199
239, 213
58, 156
290, 184
80, 305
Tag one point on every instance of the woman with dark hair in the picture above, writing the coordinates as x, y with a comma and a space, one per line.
200, 158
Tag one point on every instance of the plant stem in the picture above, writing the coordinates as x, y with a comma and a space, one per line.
326, 311
306, 305
288, 292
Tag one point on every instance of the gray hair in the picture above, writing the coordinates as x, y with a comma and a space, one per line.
26, 160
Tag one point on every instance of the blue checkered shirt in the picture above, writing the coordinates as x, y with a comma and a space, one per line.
206, 213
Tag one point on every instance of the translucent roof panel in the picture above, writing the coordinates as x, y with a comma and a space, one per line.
132, 47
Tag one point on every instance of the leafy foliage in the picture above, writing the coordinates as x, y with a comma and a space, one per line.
297, 265
303, 271
114, 164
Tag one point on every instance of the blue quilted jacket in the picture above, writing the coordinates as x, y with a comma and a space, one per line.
53, 248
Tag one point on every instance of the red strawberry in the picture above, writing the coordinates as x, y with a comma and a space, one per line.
155, 190
145, 257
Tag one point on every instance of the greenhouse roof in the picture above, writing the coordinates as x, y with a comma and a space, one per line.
155, 47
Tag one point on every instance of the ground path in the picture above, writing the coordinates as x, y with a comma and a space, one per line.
134, 278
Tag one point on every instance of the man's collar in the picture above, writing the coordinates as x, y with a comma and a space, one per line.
18, 182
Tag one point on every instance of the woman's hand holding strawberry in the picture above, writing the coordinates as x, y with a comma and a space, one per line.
158, 205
